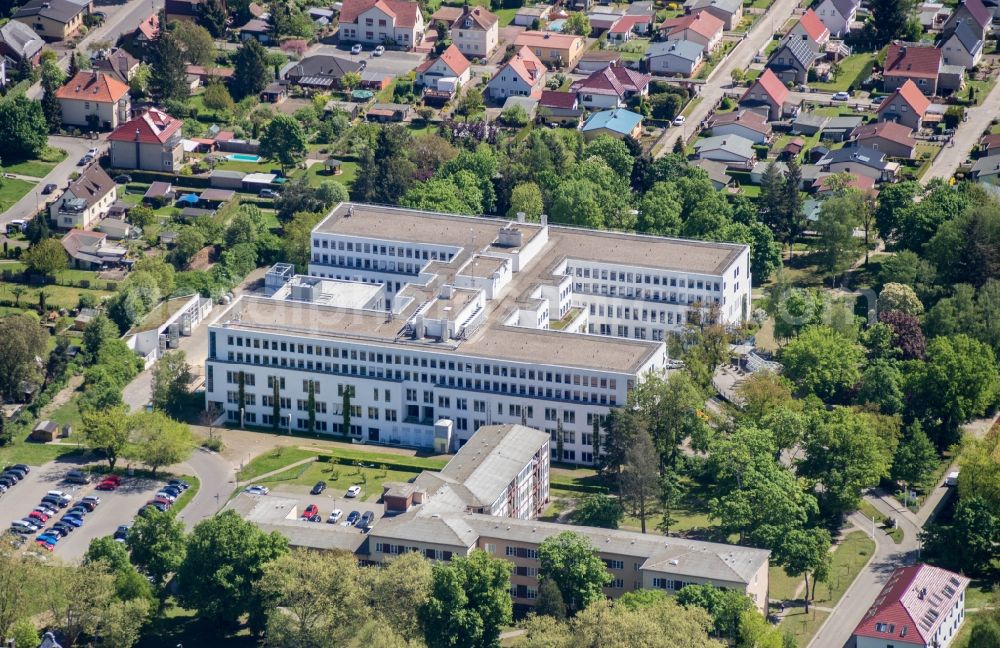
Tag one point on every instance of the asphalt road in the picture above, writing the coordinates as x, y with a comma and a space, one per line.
978, 119
740, 57
116, 507
29, 204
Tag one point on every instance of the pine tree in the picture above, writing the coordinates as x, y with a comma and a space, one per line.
678, 145
251, 74
312, 407
50, 104
347, 410
5, 435
213, 17
24, 69
74, 67
169, 76
792, 203
275, 404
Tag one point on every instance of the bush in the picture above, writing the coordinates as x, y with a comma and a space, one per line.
213, 443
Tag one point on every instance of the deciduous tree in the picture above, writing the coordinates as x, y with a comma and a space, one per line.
469, 602
284, 141
24, 130
573, 563
599, 510
822, 361
157, 543
46, 257
157, 440
107, 431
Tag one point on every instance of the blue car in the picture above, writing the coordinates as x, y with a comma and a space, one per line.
48, 538
74, 520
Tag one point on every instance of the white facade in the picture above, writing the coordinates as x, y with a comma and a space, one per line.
69, 212
954, 52
472, 40
509, 83
374, 26
109, 113
838, 24
454, 340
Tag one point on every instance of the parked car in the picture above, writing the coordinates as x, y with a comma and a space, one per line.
379, 51
310, 511
93, 152
49, 535
318, 488
49, 188
335, 516
78, 511
121, 533
257, 490
159, 506
88, 505
180, 483
353, 491
841, 96
85, 160
161, 500
679, 120
123, 178
106, 485
25, 468
166, 496
366, 519
8, 480
91, 498
63, 527
75, 520
40, 516
356, 49
54, 501
352, 518
60, 494
60, 531
47, 510
23, 526
952, 478
77, 477
267, 193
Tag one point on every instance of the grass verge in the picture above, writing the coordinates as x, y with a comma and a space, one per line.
271, 461
803, 625
848, 559
870, 512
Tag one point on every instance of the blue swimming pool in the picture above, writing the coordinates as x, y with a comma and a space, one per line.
243, 157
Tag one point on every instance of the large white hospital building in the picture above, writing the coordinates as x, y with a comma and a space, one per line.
440, 324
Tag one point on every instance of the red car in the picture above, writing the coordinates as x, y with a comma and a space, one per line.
113, 478
311, 511
41, 517
106, 486
46, 546
161, 500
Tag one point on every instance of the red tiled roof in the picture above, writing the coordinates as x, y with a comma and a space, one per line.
911, 95
913, 604
752, 119
89, 85
152, 127
990, 141
404, 12
197, 70
923, 61
888, 130
628, 23
554, 99
526, 65
700, 22
769, 82
454, 59
447, 15
862, 183
480, 16
150, 27
814, 27
545, 39
613, 80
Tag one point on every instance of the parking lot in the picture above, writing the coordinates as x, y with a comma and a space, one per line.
391, 63
116, 507
327, 502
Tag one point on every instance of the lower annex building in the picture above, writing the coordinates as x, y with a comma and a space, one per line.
469, 321
488, 497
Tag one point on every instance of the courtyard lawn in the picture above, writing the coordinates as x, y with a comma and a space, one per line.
12, 190
850, 68
273, 460
34, 454
317, 174
505, 16
983, 89
177, 626
339, 478
633, 50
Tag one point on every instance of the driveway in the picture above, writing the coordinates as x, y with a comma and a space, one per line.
30, 203
391, 63
740, 57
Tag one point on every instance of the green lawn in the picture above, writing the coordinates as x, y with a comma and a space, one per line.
803, 625
187, 495
40, 166
177, 626
780, 585
983, 88
505, 16
339, 478
849, 558
55, 296
34, 454
850, 68
633, 50
317, 174
68, 414
12, 190
870, 512
273, 460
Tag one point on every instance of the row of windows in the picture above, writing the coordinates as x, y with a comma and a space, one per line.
384, 250
655, 295
367, 264
637, 278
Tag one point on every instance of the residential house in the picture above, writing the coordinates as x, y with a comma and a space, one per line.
732, 150
93, 100
618, 123
810, 28
809, 123
825, 184
258, 29
920, 64
443, 76
630, 25
531, 17
85, 199
989, 144
89, 250
919, 607
187, 10
986, 170
320, 71
838, 129
792, 60
522, 75
598, 59
379, 21
748, 124
973, 12
699, 27
476, 32
769, 95
204, 75
838, 15
147, 31
729, 11
446, 15
274, 92
382, 112
677, 57
716, 173
53, 20
150, 141
906, 105
558, 50
892, 138
933, 15
961, 45
559, 107
19, 42
117, 63
611, 87
861, 160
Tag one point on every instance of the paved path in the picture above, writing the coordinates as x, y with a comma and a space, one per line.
740, 57
29, 204
218, 479
966, 137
